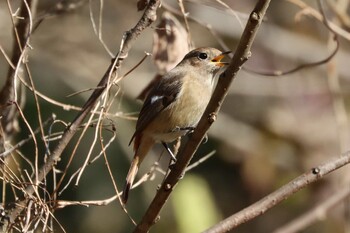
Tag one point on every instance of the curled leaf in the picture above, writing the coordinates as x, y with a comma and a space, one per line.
170, 45
141, 4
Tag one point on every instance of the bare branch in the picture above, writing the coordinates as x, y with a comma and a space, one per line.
317, 213
278, 73
338, 30
279, 195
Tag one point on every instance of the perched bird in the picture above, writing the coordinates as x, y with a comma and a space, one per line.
174, 105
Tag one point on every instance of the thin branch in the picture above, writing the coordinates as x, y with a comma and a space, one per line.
201, 160
91, 146
317, 213
184, 14
30, 137
279, 73
34, 140
241, 55
209, 27
279, 195
335, 28
98, 31
68, 107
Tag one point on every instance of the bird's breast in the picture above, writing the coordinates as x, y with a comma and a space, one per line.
184, 112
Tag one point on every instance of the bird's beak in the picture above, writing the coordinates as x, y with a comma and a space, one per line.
217, 59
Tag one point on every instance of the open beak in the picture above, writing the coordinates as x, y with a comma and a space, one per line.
217, 59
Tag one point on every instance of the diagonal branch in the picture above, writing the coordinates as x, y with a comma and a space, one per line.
318, 213
279, 195
241, 55
129, 37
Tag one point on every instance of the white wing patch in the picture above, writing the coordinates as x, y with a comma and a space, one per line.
155, 98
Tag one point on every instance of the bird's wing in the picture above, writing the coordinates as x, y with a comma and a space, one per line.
161, 96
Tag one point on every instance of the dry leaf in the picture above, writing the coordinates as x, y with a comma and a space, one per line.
170, 45
141, 4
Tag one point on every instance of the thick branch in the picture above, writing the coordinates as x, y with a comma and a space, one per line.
129, 37
241, 55
279, 195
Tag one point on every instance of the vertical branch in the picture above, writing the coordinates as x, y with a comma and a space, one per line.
241, 55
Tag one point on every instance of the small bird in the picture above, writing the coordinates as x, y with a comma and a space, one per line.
174, 105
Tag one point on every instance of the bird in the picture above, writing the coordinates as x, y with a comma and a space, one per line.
174, 105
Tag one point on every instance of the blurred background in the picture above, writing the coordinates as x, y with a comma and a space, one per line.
269, 130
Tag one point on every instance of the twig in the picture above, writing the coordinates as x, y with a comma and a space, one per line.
82, 91
68, 107
201, 160
129, 37
241, 55
184, 14
137, 65
279, 195
338, 30
209, 27
98, 31
34, 140
231, 11
62, 203
22, 142
279, 73
315, 214
91, 146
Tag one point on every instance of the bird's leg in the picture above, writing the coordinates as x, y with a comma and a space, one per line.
169, 151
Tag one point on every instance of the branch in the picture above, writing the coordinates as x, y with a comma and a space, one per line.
129, 37
317, 213
279, 195
241, 55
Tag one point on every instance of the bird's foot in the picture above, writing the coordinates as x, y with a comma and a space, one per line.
173, 158
205, 139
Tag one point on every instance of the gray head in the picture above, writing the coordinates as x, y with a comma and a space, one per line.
205, 59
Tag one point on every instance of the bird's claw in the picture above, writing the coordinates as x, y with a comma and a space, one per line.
205, 139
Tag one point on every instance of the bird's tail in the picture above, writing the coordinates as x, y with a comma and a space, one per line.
141, 146
134, 167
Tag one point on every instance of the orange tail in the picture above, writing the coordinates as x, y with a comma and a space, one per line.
134, 167
141, 146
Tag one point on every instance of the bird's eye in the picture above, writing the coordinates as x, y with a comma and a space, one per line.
203, 56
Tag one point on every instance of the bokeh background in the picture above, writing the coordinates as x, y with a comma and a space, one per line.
269, 130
